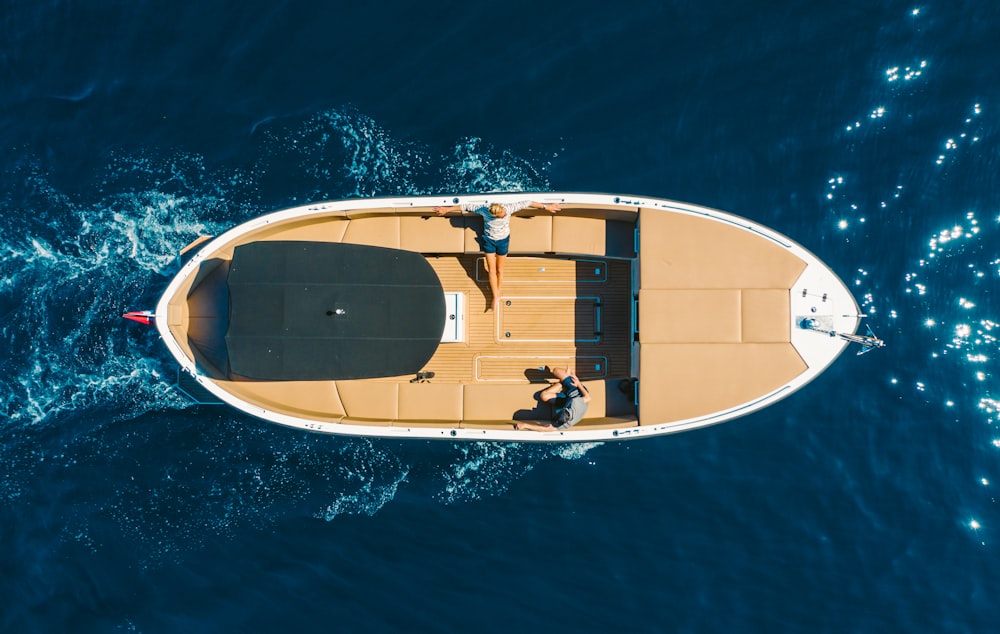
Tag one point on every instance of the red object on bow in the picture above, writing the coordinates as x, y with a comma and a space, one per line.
142, 316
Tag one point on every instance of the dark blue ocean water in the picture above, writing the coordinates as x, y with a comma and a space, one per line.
866, 131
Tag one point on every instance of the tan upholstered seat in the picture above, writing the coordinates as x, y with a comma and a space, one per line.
531, 233
329, 231
432, 234
681, 381
714, 316
376, 231
578, 235
501, 401
430, 401
683, 251
766, 315
319, 400
690, 316
377, 400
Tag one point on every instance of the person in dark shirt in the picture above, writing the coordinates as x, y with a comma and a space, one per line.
568, 398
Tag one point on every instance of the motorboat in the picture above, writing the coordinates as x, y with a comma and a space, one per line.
373, 317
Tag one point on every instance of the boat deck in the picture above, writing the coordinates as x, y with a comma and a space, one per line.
553, 311
702, 302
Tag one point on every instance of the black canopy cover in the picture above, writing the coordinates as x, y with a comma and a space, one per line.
320, 310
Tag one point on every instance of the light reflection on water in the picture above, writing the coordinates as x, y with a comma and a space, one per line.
943, 308
956, 274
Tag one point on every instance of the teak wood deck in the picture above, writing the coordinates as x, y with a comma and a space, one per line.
553, 312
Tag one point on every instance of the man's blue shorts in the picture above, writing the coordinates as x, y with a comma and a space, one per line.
500, 247
568, 390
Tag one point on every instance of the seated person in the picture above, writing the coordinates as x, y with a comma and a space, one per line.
496, 234
568, 399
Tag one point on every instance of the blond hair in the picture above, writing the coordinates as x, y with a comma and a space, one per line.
496, 209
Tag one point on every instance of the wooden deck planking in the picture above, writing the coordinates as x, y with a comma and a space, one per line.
539, 278
548, 319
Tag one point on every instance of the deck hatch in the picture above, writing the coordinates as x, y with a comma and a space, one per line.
550, 319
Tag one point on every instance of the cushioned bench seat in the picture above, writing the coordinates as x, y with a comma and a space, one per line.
434, 402
680, 251
376, 231
478, 405
571, 234
540, 232
423, 232
432, 234
318, 400
507, 401
387, 401
688, 380
369, 402
531, 232
714, 316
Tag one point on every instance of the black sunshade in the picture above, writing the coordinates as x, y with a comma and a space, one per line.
319, 310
